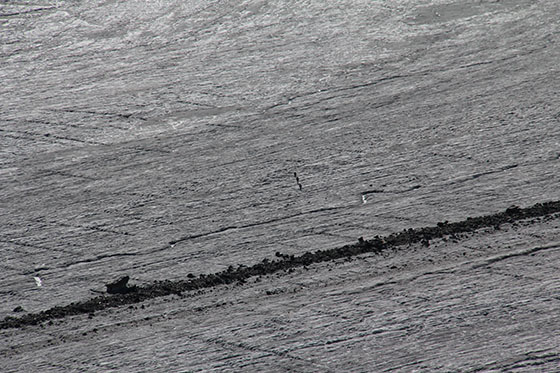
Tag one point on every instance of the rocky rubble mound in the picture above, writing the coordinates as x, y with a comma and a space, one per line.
119, 293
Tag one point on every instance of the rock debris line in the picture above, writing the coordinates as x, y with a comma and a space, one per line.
119, 294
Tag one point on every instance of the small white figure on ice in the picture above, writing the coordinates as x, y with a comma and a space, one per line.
38, 281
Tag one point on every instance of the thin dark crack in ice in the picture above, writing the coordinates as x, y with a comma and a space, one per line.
249, 225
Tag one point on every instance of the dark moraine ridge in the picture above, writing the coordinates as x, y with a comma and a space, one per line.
240, 273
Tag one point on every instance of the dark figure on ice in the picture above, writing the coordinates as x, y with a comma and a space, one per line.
120, 286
